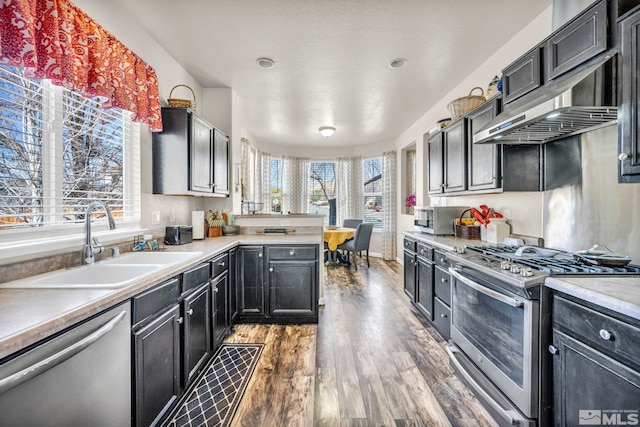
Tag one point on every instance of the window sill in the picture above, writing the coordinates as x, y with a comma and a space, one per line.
16, 251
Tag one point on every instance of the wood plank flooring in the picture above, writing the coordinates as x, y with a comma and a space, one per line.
369, 362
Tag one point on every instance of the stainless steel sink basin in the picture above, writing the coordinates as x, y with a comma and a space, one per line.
109, 274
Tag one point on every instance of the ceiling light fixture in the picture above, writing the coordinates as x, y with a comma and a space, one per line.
266, 63
327, 131
397, 63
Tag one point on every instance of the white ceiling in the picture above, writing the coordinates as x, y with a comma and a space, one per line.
332, 57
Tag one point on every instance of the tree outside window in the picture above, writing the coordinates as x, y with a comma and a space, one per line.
372, 176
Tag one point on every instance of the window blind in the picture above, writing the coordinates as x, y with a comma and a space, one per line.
59, 152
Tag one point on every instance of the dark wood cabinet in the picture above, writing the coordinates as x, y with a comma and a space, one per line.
410, 274
220, 163
196, 347
156, 370
425, 272
233, 288
455, 156
189, 155
278, 283
578, 41
220, 315
523, 75
629, 110
251, 262
435, 150
595, 365
291, 288
447, 151
424, 281
483, 165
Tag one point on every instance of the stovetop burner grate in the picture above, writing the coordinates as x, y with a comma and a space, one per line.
562, 264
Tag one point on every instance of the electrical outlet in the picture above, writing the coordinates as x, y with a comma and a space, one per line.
172, 217
155, 217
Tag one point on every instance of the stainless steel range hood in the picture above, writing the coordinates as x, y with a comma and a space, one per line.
578, 103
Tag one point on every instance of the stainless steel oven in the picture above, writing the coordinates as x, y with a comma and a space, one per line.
495, 334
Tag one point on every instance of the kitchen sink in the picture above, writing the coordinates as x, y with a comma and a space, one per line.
160, 258
112, 273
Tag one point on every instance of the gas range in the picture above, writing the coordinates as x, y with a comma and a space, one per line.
526, 270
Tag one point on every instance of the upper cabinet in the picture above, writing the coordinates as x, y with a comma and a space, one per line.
447, 159
484, 159
628, 123
190, 156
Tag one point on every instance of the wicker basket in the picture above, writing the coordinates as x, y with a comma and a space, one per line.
469, 232
182, 103
461, 106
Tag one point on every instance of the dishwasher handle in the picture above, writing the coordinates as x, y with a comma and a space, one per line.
52, 361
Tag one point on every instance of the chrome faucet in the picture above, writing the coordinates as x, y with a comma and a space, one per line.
91, 246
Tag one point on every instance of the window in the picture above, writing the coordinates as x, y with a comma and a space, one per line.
372, 176
276, 185
59, 152
322, 190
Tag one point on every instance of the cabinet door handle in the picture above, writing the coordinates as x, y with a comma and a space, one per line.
553, 349
270, 268
623, 156
443, 280
221, 264
292, 252
605, 335
180, 320
215, 289
190, 311
443, 316
260, 255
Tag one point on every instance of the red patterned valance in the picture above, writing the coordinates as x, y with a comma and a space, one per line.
54, 39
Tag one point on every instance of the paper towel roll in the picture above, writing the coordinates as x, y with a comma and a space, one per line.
197, 222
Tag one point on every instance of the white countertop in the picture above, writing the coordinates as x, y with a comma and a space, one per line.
446, 243
619, 294
29, 315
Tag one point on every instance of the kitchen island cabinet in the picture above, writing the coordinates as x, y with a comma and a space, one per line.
278, 284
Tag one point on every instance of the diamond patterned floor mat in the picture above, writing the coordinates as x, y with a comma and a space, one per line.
214, 400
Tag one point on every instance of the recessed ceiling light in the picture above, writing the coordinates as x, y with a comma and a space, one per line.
265, 62
327, 131
397, 63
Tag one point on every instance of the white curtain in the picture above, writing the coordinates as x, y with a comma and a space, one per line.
295, 176
262, 174
349, 191
248, 152
389, 203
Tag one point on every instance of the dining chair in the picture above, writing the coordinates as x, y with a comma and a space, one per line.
360, 242
351, 223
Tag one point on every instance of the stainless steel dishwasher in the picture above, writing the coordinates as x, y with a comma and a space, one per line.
80, 378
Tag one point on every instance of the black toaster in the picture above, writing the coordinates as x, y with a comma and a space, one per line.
178, 235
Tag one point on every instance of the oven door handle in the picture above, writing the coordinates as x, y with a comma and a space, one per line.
510, 416
455, 272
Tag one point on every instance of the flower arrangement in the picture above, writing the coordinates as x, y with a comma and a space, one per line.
410, 200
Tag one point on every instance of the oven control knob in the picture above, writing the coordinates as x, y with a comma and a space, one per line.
505, 265
515, 269
526, 272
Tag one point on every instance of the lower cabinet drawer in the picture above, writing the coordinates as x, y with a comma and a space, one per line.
196, 276
442, 318
155, 299
292, 253
443, 285
612, 336
219, 264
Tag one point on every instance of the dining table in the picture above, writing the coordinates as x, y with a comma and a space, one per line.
335, 236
